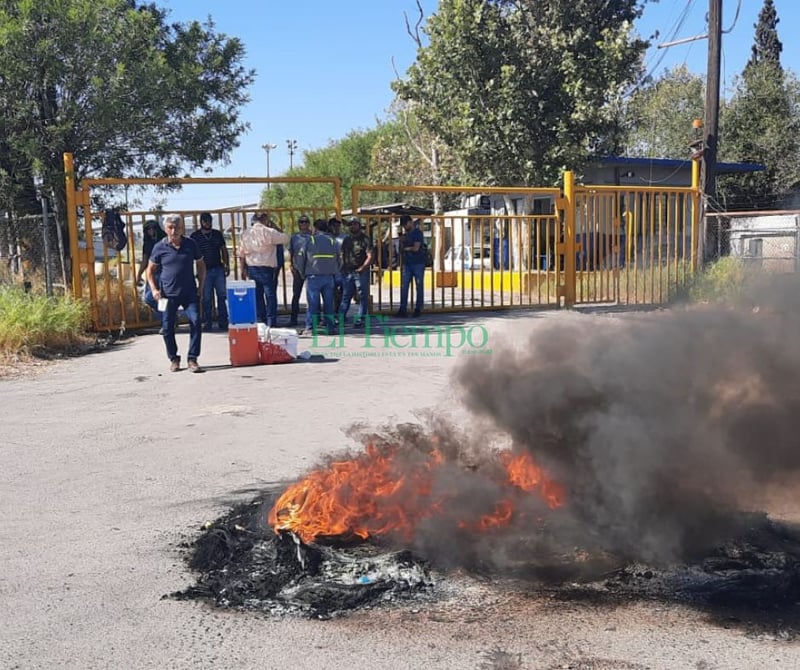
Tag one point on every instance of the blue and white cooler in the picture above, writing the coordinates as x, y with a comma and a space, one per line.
241, 302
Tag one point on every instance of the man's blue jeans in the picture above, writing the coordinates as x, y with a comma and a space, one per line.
266, 295
215, 284
320, 286
169, 319
417, 272
355, 282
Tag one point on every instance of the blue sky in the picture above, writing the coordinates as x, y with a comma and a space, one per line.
324, 68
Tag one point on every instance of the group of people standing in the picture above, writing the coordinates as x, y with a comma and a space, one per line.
333, 266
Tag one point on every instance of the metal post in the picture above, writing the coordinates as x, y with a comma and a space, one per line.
696, 240
268, 147
62, 260
48, 274
569, 240
72, 225
797, 244
38, 182
291, 145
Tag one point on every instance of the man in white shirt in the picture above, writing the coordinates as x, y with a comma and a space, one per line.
259, 261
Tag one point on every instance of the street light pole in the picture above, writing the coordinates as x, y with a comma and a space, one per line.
268, 147
291, 145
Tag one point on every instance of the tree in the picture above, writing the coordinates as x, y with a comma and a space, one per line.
406, 153
767, 47
519, 89
115, 84
760, 124
385, 154
658, 117
348, 159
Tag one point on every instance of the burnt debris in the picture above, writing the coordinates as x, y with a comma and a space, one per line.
242, 564
752, 579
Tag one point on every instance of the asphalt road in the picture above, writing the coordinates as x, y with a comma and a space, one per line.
110, 462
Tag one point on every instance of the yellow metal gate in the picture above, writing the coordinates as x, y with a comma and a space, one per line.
108, 279
584, 245
590, 244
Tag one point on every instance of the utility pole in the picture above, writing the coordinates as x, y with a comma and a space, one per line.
268, 147
712, 122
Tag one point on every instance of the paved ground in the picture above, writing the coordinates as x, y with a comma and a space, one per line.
109, 462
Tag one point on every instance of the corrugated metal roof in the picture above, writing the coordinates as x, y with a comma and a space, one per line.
397, 208
673, 163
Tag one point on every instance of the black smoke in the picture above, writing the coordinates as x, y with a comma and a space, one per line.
664, 427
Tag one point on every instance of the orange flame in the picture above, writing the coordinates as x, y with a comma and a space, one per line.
525, 474
380, 492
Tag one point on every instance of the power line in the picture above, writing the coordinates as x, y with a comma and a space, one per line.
673, 31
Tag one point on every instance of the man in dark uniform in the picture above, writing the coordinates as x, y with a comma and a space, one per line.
319, 262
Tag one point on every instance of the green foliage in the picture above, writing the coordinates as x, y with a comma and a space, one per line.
118, 86
394, 152
658, 116
348, 159
520, 90
767, 46
385, 154
408, 153
30, 322
761, 124
721, 282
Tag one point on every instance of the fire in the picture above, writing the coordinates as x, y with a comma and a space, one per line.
389, 490
524, 473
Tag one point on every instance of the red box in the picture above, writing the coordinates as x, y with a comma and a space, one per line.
243, 342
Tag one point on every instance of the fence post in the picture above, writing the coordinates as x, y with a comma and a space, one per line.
697, 241
569, 240
48, 272
72, 224
797, 244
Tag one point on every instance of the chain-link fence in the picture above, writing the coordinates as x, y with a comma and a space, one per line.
768, 241
33, 253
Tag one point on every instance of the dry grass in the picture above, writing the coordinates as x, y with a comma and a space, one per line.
35, 328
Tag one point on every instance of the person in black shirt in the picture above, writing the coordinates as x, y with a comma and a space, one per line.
356, 262
412, 248
215, 255
151, 233
296, 242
